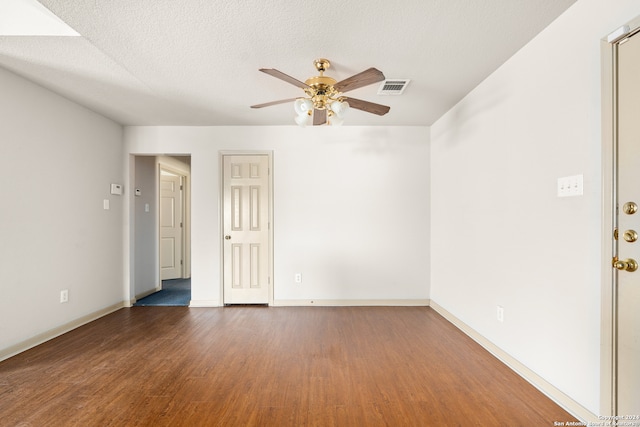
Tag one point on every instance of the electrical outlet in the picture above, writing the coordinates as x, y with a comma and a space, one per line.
297, 278
64, 295
500, 313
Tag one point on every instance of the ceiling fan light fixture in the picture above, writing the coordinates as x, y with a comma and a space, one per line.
303, 106
335, 120
324, 102
303, 120
340, 108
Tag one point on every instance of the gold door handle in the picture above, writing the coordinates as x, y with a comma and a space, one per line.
227, 237
626, 265
630, 236
630, 208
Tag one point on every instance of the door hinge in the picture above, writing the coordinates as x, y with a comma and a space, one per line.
180, 225
181, 262
181, 186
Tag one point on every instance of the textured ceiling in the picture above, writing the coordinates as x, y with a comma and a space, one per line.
195, 62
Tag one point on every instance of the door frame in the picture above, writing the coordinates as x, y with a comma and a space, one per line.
608, 332
270, 245
164, 163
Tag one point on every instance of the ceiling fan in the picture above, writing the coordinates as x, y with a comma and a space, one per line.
324, 101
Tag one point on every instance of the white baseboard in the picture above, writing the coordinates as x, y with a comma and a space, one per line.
327, 303
566, 402
351, 302
204, 303
56, 332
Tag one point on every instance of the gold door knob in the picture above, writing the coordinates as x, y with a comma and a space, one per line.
630, 208
626, 265
630, 236
227, 237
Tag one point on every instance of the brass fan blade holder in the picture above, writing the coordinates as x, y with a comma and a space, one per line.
321, 87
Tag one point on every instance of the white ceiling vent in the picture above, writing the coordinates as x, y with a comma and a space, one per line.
393, 86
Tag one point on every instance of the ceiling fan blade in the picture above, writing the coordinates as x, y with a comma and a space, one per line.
369, 107
269, 104
362, 79
319, 117
282, 76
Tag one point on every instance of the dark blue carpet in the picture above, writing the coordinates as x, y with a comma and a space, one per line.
175, 292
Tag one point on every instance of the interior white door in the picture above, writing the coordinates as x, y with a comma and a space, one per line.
246, 229
170, 227
628, 222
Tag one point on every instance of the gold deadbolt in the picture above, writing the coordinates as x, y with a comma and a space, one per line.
227, 237
630, 236
626, 265
630, 208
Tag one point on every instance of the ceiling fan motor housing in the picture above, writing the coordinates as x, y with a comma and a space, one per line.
321, 90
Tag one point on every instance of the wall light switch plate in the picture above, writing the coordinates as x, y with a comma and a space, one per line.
105, 204
569, 186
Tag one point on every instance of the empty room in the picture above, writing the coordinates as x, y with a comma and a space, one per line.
414, 214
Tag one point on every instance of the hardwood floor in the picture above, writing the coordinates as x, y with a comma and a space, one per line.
267, 366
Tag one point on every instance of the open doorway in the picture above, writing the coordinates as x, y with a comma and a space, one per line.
172, 221
162, 269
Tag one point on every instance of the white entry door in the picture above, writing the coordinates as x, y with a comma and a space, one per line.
628, 223
246, 244
170, 227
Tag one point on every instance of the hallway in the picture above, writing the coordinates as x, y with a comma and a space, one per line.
174, 293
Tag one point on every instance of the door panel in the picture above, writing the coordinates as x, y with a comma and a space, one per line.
170, 227
628, 282
246, 229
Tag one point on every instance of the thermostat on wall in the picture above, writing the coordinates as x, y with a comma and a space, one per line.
116, 189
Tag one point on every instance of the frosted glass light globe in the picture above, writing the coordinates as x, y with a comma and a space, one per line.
303, 106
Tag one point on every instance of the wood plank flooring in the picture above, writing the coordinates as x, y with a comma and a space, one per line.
267, 366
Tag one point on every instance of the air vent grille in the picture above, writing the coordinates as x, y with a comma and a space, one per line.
393, 87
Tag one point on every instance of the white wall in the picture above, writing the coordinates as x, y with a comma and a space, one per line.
500, 236
351, 207
58, 161
147, 278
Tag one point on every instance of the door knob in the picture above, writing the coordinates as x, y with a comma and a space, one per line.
227, 237
630, 208
630, 236
626, 265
